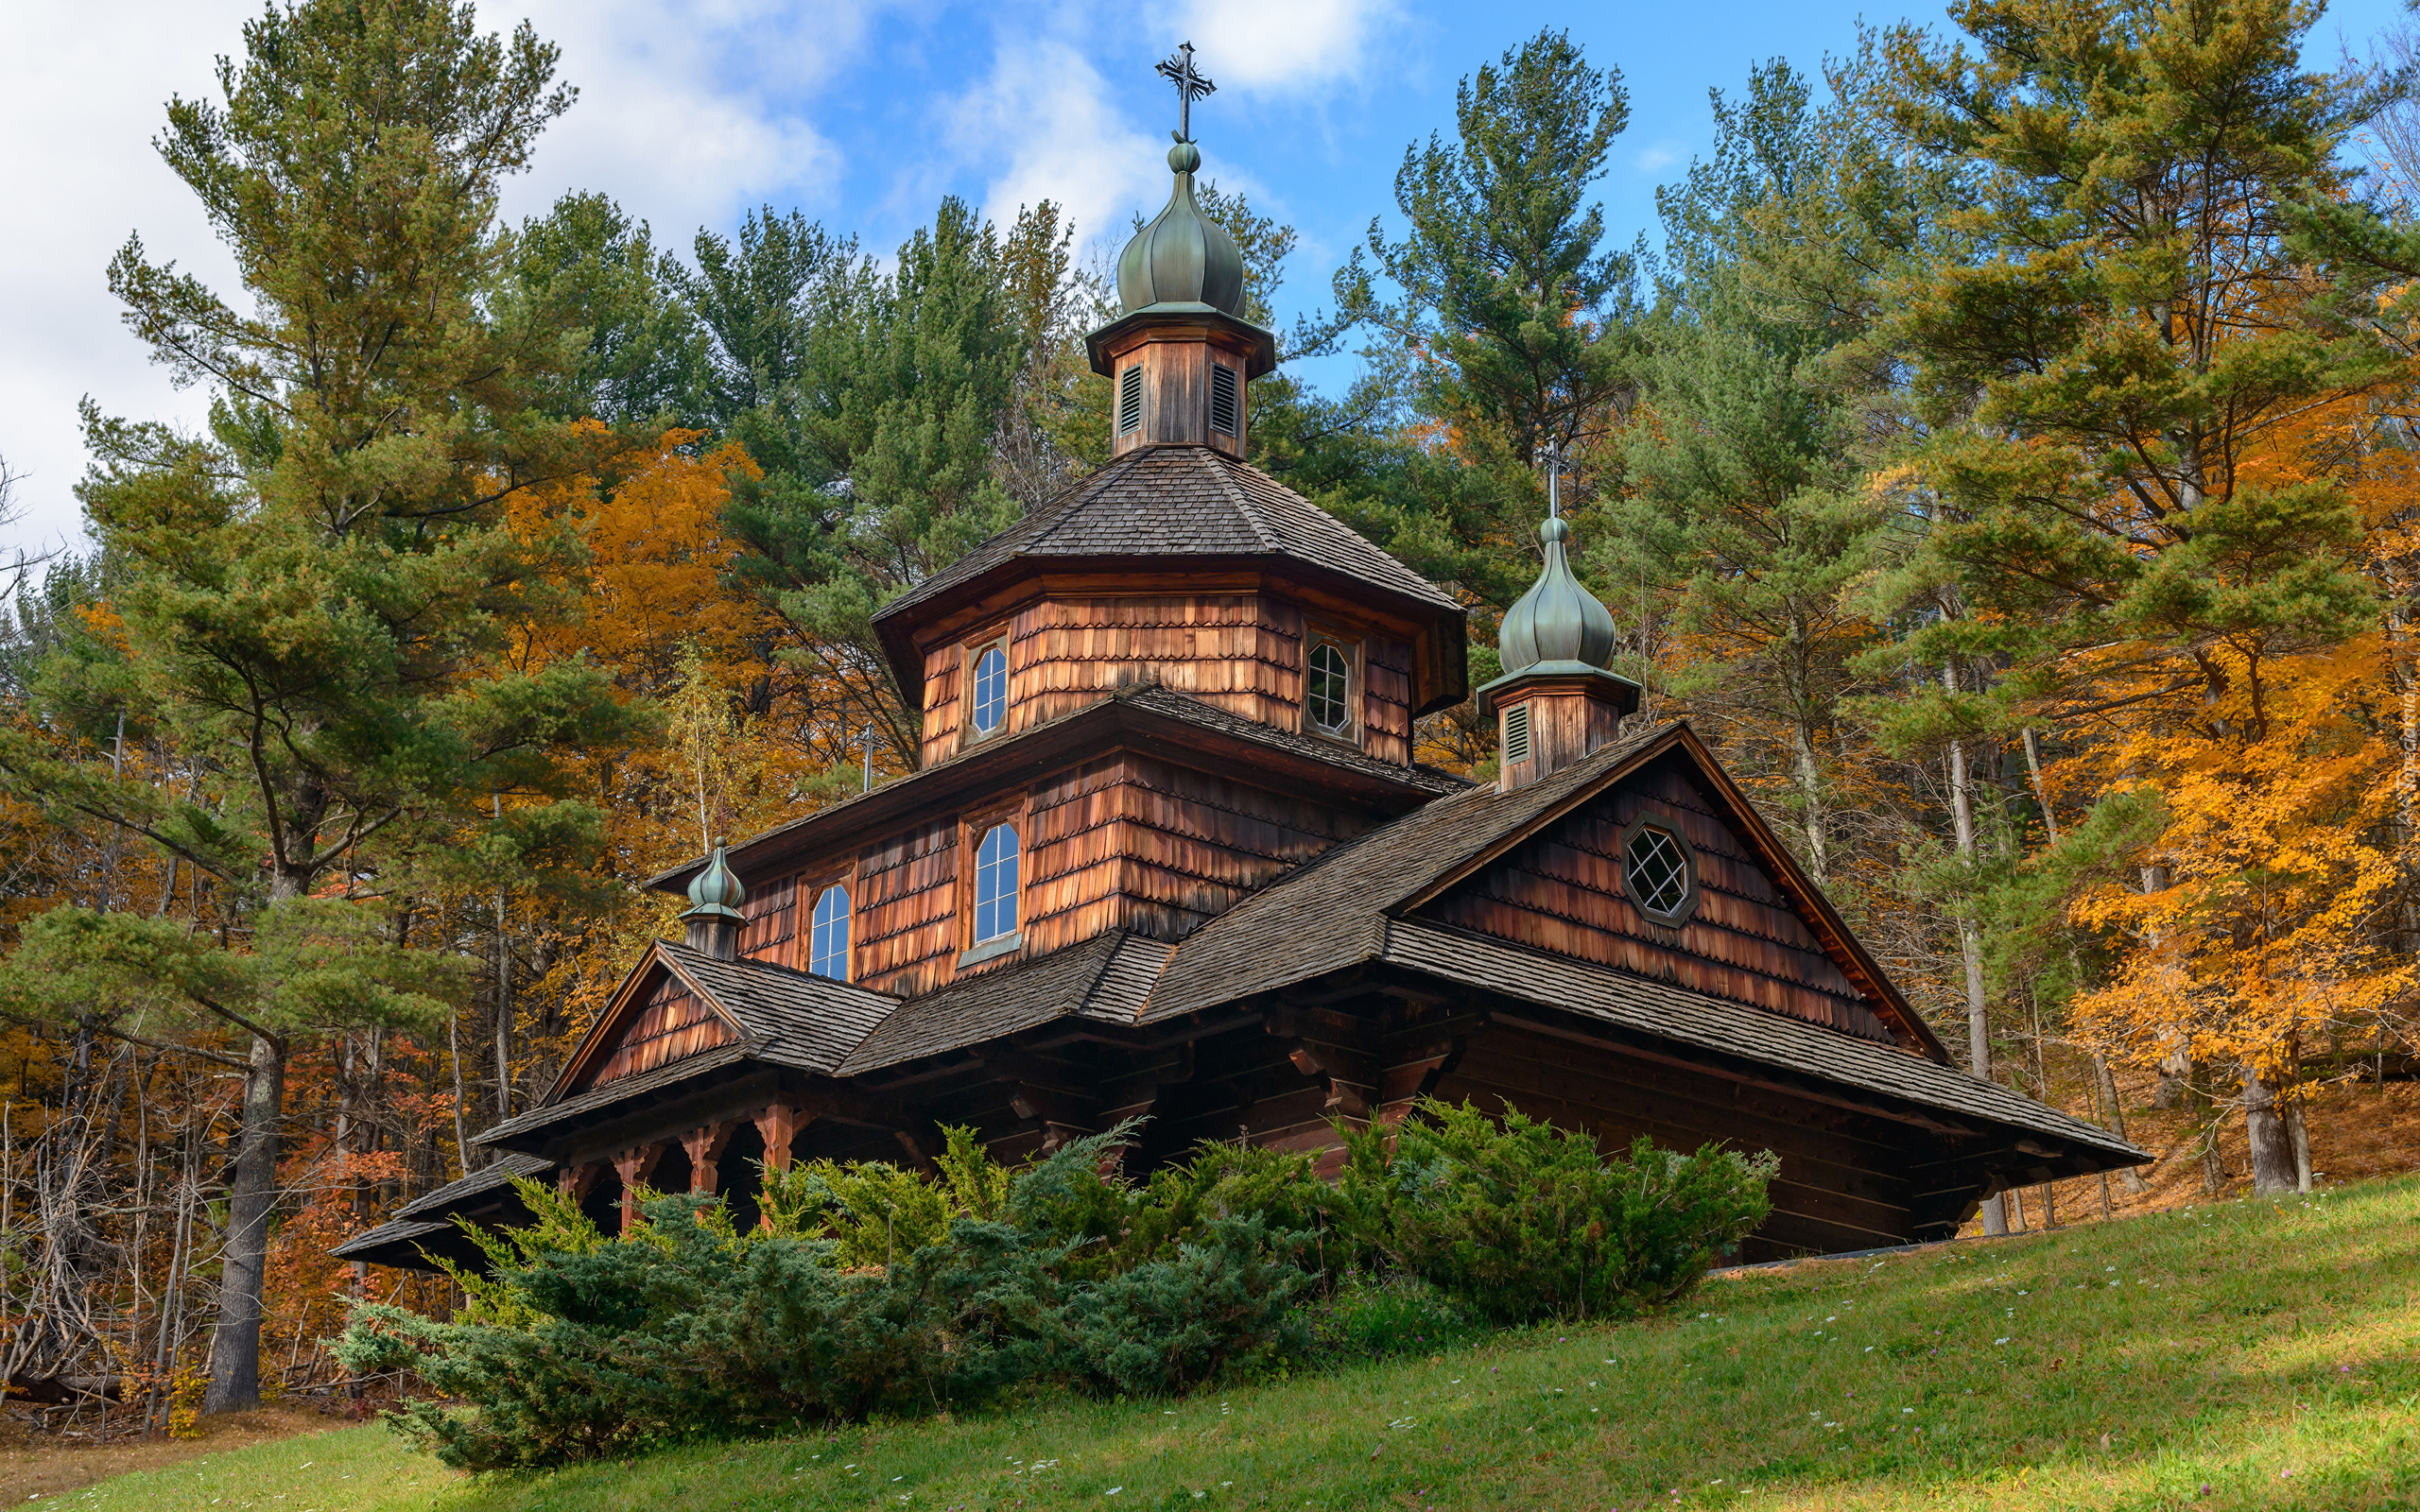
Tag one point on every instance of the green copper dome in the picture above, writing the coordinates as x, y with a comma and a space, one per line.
1558, 625
716, 892
1183, 258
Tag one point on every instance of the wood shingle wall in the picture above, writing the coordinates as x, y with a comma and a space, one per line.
1563, 891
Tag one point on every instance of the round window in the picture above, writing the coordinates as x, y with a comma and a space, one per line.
1660, 873
1329, 697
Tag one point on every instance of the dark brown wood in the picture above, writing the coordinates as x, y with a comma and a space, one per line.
670, 1024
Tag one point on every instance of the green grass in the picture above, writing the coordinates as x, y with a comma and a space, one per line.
2267, 1352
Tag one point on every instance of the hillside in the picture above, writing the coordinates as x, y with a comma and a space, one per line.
2235, 1355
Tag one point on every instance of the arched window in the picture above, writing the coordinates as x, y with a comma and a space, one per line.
1660, 873
1329, 694
989, 701
828, 954
995, 885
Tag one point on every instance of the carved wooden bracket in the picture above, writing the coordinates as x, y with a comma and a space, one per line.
779, 1124
705, 1146
634, 1166
577, 1181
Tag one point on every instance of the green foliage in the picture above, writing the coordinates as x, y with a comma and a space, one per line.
577, 1347
1519, 1220
1372, 1317
872, 1291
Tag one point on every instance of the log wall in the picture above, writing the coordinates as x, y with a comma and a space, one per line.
1563, 891
1842, 1183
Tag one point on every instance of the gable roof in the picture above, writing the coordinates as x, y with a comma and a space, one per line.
431, 1212
1108, 977
1166, 501
1352, 890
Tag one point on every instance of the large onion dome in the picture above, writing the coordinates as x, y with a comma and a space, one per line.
1557, 626
1183, 259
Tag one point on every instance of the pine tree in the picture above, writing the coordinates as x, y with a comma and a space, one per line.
311, 596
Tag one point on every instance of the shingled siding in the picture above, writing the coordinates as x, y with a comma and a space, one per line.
1242, 652
1563, 891
1386, 699
672, 1024
1841, 1185
906, 922
1142, 844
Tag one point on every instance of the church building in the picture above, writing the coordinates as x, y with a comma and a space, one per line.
1169, 854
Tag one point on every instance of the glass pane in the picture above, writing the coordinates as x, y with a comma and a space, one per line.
995, 885
1657, 871
991, 690
1331, 681
830, 955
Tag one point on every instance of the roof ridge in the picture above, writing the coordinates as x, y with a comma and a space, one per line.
1235, 495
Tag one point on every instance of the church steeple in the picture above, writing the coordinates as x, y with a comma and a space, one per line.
1558, 699
1181, 352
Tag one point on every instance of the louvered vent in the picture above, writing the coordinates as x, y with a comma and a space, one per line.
1130, 400
1222, 399
1516, 734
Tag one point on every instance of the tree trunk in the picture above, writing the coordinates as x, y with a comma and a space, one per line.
2299, 1131
2273, 1147
251, 1195
2132, 1176
1970, 946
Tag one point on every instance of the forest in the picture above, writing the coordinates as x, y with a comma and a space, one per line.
2003, 452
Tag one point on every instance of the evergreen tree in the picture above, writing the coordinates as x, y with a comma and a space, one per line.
2094, 382
308, 599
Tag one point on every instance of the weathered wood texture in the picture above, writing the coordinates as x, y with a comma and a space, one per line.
773, 922
1126, 842
1564, 726
1563, 891
1842, 1183
904, 934
1176, 388
672, 1023
1386, 699
1241, 652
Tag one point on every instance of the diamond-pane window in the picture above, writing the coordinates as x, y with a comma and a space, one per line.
1657, 871
1331, 685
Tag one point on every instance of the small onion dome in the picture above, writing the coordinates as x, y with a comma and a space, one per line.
1557, 621
1183, 258
716, 892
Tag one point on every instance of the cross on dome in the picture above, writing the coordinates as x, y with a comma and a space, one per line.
1177, 70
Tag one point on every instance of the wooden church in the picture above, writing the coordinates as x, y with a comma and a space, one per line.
1167, 853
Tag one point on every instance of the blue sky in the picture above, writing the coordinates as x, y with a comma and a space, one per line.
860, 113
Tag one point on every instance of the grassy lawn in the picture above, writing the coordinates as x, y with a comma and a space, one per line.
2241, 1355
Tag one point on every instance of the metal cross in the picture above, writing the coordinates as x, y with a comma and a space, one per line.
1190, 86
1554, 478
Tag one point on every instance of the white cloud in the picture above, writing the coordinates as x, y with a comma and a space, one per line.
1044, 123
1665, 152
1264, 46
688, 112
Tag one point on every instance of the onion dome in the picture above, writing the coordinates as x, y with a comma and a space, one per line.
1183, 259
1557, 626
716, 892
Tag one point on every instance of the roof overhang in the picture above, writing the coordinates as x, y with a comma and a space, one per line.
1120, 720
1099, 346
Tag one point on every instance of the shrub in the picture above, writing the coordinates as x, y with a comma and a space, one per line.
1520, 1220
576, 1347
1370, 1317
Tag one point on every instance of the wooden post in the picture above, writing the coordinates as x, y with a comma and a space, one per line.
634, 1166
779, 1124
705, 1146
575, 1181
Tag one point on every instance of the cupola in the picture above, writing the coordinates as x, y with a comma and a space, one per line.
1181, 352
714, 916
1558, 699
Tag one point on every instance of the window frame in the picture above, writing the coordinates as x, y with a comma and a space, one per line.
845, 884
1686, 908
1350, 647
973, 831
974, 650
